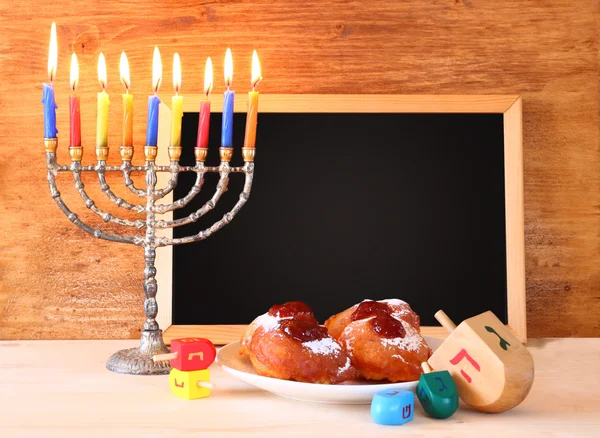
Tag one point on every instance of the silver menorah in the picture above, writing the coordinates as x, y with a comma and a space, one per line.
139, 360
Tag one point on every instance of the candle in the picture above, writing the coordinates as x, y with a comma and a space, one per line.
176, 103
252, 116
127, 102
75, 116
228, 98
204, 117
48, 93
153, 101
102, 114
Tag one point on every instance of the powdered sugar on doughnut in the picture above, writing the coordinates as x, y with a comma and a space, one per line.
346, 366
393, 301
325, 346
412, 341
266, 322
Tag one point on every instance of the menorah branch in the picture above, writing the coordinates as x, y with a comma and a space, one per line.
208, 206
227, 218
127, 169
119, 202
182, 202
51, 165
89, 203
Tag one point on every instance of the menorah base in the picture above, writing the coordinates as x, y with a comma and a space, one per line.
139, 360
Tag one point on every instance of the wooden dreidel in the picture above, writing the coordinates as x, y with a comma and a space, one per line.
190, 384
189, 354
492, 370
393, 407
437, 393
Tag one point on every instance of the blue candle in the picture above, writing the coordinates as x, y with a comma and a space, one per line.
48, 96
49, 112
152, 128
228, 97
227, 129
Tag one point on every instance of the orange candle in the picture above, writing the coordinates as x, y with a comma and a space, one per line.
204, 117
127, 103
252, 115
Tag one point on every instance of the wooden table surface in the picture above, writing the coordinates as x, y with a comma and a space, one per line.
61, 388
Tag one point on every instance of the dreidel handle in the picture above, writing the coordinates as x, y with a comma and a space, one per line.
426, 368
444, 320
207, 385
166, 356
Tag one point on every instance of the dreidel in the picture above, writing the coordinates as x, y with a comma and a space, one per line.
190, 357
190, 384
492, 370
437, 392
189, 354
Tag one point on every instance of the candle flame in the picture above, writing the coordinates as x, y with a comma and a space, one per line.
208, 77
52, 53
124, 71
156, 70
74, 72
176, 73
228, 68
256, 77
102, 70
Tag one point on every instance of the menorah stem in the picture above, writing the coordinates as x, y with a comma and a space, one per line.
139, 360
150, 284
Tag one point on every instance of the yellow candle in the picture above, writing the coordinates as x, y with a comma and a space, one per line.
176, 104
252, 115
127, 103
127, 120
102, 117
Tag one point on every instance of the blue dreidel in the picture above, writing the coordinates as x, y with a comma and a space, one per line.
437, 392
393, 407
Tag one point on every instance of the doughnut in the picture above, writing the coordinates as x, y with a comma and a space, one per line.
382, 339
288, 343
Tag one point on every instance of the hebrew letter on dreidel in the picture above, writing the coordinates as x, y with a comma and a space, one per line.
443, 387
462, 354
199, 354
504, 344
406, 410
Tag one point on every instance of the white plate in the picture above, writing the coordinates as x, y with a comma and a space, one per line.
348, 393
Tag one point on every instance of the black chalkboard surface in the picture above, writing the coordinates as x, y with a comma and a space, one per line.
346, 207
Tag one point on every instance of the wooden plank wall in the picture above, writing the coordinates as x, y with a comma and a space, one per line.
57, 282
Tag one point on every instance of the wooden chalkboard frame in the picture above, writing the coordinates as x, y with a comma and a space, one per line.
510, 106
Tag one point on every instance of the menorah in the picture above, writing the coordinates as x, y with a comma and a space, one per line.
139, 360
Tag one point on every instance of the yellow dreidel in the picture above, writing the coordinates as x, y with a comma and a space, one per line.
492, 370
190, 384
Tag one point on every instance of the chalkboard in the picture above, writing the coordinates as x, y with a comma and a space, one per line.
348, 206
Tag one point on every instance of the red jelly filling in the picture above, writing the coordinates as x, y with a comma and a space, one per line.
367, 309
289, 309
303, 329
387, 326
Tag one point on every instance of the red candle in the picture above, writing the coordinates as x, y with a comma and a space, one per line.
75, 120
75, 116
204, 117
203, 124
